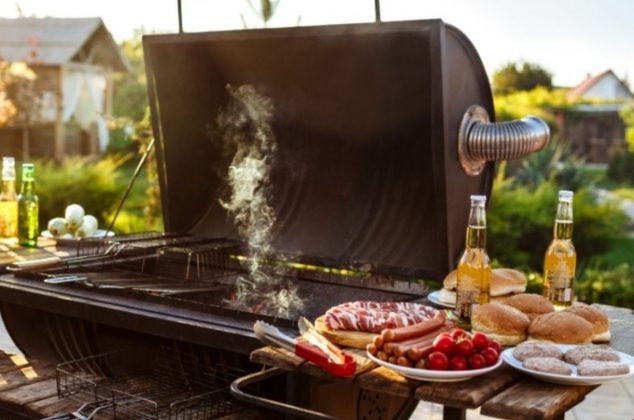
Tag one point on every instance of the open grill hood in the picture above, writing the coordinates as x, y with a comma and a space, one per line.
366, 121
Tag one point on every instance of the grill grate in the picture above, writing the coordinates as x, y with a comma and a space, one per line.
177, 387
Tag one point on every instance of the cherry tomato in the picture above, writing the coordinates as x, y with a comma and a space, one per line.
438, 361
458, 363
444, 344
457, 333
495, 345
464, 347
490, 356
477, 361
480, 340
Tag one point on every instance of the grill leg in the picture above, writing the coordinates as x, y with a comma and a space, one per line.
454, 413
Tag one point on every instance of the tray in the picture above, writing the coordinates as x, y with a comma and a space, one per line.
434, 297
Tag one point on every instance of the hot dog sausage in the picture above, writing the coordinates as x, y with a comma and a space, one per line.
414, 330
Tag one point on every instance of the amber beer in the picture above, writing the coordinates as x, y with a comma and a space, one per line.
561, 258
474, 268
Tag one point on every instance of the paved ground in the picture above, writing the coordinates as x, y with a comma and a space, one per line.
610, 402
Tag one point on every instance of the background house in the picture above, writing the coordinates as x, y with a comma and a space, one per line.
595, 129
73, 60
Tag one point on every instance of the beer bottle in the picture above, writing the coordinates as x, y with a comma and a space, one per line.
561, 258
28, 208
8, 201
474, 267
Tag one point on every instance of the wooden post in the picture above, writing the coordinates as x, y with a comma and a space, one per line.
58, 147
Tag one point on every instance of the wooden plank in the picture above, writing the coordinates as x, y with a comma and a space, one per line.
51, 406
9, 362
534, 399
621, 325
25, 375
16, 398
471, 393
281, 358
386, 381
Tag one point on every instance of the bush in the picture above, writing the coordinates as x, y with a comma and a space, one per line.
521, 219
621, 167
610, 286
93, 185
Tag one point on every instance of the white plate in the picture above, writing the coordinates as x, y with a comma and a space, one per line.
573, 379
434, 297
99, 233
435, 375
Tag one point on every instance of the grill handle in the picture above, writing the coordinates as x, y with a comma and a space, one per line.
238, 393
480, 141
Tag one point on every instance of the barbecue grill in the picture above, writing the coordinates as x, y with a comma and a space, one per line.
382, 131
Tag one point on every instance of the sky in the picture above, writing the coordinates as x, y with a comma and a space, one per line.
569, 38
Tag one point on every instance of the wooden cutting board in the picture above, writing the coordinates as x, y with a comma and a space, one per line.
355, 339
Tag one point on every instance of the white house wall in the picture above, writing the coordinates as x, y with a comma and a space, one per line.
608, 88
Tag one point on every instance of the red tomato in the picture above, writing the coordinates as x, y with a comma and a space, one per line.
480, 340
458, 363
444, 344
477, 361
438, 361
458, 332
490, 356
464, 347
495, 345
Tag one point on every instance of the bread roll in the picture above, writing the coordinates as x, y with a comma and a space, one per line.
596, 317
531, 304
561, 328
500, 322
504, 281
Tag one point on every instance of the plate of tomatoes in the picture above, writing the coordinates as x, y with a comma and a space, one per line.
454, 356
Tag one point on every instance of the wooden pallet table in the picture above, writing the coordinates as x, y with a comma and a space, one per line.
504, 393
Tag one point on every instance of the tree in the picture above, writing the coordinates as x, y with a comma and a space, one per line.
130, 92
520, 76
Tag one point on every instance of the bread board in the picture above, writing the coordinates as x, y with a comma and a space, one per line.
355, 339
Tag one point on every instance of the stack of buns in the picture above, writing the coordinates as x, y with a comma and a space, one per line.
505, 282
530, 316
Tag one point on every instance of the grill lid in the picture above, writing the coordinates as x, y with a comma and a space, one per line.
366, 120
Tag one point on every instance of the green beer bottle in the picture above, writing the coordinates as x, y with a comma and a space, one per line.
28, 208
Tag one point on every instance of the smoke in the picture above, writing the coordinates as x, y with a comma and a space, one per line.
245, 126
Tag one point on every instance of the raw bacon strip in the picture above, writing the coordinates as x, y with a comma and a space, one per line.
374, 317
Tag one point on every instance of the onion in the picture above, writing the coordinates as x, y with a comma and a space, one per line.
74, 217
85, 231
57, 226
90, 220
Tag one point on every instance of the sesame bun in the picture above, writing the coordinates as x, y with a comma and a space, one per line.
596, 317
561, 328
500, 322
531, 304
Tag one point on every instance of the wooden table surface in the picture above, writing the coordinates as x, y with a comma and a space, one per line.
503, 393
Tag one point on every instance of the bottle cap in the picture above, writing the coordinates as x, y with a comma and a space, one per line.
8, 169
28, 172
478, 199
565, 195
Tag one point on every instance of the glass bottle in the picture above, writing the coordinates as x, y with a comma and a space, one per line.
561, 258
28, 208
474, 267
8, 200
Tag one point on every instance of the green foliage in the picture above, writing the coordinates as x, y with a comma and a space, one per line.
621, 167
611, 286
514, 77
520, 221
93, 185
130, 92
627, 115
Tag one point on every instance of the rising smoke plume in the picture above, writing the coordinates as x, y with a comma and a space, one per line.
245, 125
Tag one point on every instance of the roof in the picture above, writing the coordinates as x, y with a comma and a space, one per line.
57, 40
580, 90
